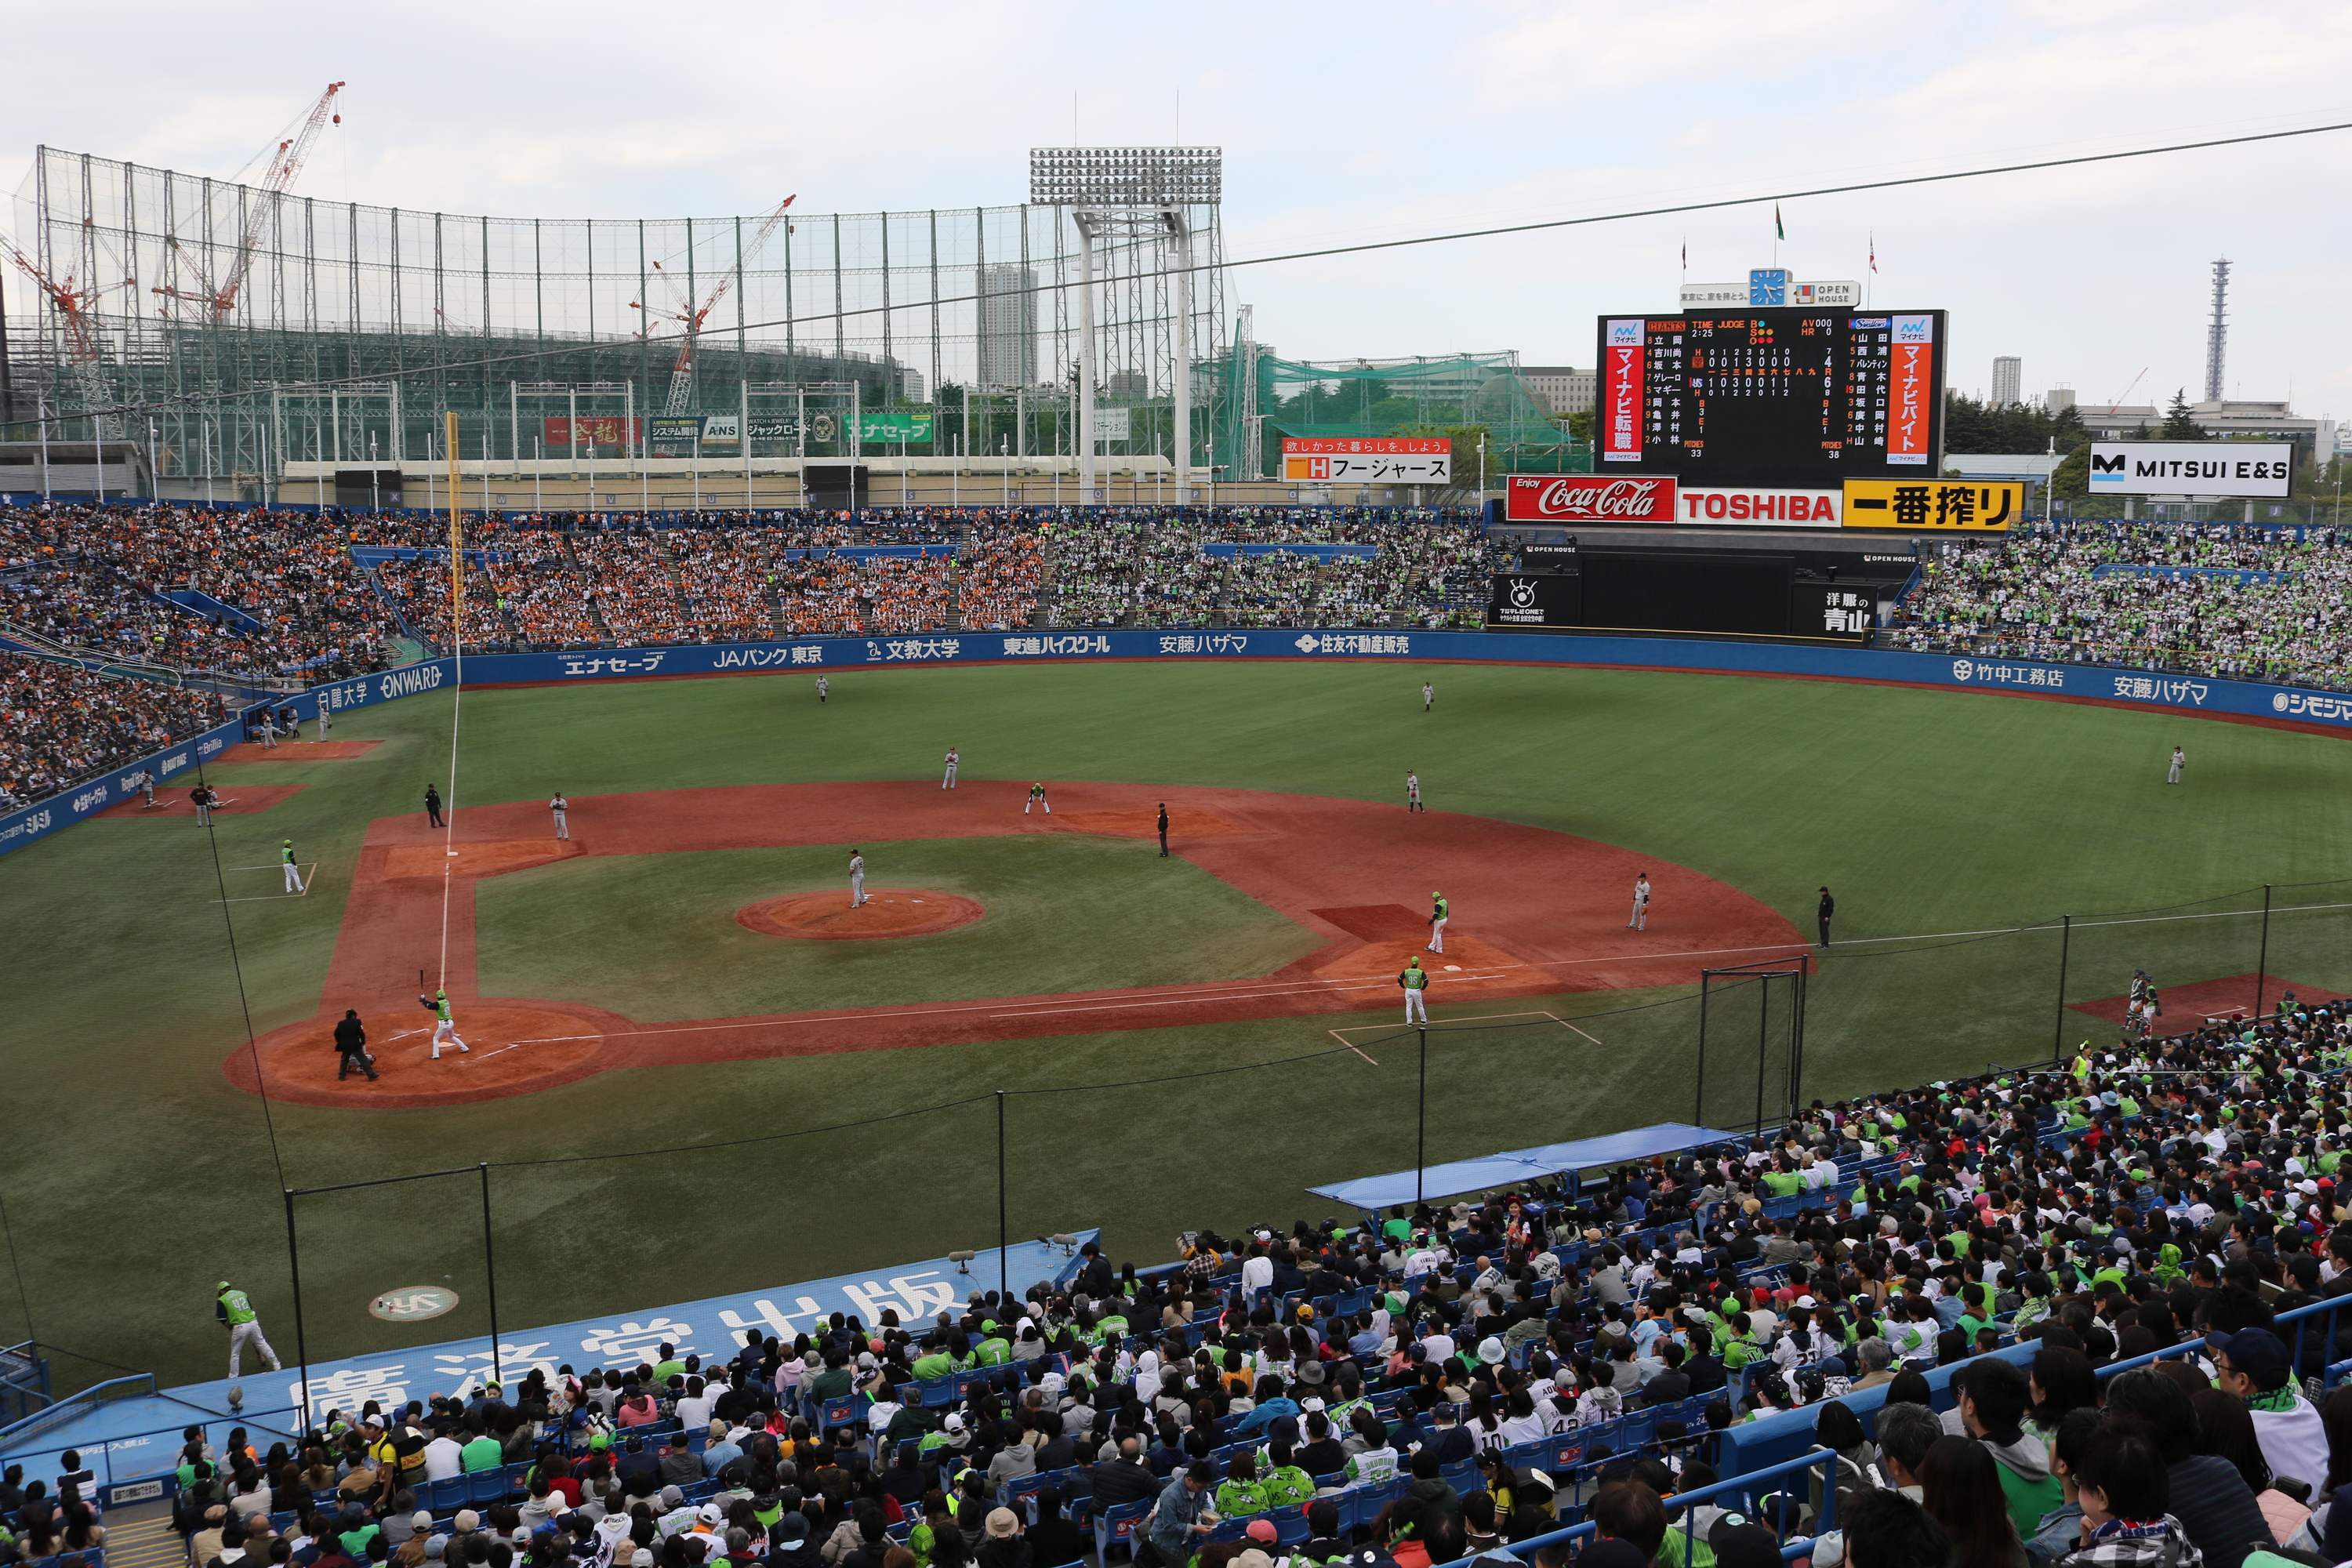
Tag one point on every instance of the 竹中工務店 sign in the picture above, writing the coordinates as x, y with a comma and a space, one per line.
1371, 460
2249, 468
1965, 506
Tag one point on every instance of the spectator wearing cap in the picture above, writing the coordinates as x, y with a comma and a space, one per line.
2252, 1365
1450, 1443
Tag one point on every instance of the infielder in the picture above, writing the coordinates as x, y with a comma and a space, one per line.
1413, 791
1037, 797
1440, 911
1415, 982
823, 686
857, 879
562, 808
1428, 695
293, 871
1640, 921
949, 782
2173, 774
146, 781
234, 1310
446, 1027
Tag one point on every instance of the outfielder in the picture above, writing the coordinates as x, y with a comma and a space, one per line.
857, 879
1440, 911
1640, 921
2172, 775
1428, 695
560, 808
236, 1313
1412, 791
293, 871
1414, 979
949, 782
1037, 797
823, 686
447, 1027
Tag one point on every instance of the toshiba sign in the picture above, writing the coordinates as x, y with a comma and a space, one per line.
1587, 497
1759, 507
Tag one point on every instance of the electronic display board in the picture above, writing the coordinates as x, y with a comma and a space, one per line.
1797, 397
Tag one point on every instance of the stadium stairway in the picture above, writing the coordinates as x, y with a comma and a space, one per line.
141, 1536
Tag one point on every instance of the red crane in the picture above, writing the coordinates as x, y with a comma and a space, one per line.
83, 361
681, 375
220, 299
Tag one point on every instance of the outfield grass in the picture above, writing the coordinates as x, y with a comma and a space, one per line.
134, 1177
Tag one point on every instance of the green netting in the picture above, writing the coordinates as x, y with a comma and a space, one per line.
1261, 398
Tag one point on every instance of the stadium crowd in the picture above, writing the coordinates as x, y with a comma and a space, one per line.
2207, 598
1448, 1381
64, 726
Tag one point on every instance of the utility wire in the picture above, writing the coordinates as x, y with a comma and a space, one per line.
237, 967
1279, 258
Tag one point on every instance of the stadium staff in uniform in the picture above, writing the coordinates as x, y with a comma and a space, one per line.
1037, 797
433, 807
857, 879
1163, 830
2172, 775
350, 1042
562, 808
1440, 911
823, 686
1828, 907
1412, 791
1414, 980
203, 798
236, 1313
949, 782
445, 1027
293, 871
1640, 921
1428, 695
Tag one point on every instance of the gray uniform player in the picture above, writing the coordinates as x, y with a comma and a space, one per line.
857, 879
949, 782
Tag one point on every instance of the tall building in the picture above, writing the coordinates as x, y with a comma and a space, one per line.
1563, 388
2008, 380
1008, 326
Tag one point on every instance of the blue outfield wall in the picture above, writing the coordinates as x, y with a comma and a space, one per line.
2153, 690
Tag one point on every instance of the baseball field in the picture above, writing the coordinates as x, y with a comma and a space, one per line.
695, 1070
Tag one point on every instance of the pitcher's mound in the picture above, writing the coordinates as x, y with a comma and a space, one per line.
887, 911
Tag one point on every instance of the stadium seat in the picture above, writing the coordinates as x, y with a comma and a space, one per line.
1463, 1476
1290, 1524
484, 1487
1116, 1527
444, 1497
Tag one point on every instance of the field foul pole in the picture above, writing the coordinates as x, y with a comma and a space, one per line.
457, 651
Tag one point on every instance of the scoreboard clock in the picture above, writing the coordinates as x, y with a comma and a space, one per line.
1801, 397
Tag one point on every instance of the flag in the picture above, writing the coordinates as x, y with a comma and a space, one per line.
1874, 253
1686, 256
1779, 230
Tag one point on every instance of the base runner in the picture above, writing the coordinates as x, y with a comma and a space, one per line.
1440, 911
293, 871
446, 1027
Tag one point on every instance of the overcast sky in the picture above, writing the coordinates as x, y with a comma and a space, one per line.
1346, 124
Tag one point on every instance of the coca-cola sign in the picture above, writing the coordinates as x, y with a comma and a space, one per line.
1589, 498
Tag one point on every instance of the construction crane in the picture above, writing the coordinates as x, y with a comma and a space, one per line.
681, 375
219, 298
84, 362
2127, 390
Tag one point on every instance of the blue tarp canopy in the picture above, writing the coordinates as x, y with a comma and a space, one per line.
1514, 1167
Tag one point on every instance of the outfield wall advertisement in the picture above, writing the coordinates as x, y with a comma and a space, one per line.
2172, 693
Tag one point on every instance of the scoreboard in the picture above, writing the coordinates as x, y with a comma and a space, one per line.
1797, 398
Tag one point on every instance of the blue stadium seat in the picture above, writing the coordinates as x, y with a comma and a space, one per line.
484, 1487
1290, 1524
444, 1497
1116, 1527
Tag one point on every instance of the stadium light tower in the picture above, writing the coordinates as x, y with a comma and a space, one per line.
1134, 192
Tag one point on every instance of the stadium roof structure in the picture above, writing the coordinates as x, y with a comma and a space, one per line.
1513, 1166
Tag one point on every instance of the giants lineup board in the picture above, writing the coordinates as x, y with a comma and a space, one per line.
1772, 396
